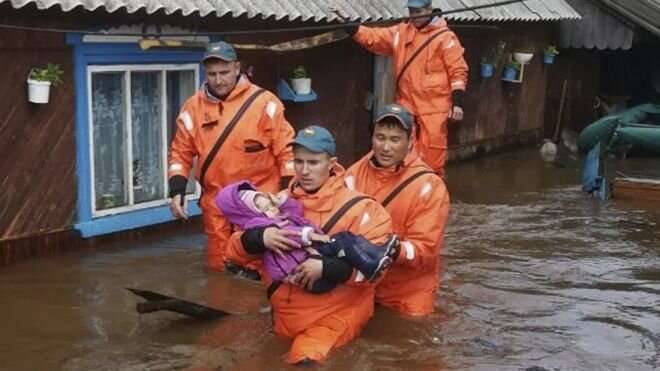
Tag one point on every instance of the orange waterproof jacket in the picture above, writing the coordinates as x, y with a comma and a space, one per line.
426, 85
256, 149
321, 322
419, 215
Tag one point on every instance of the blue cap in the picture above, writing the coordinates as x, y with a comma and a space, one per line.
316, 139
419, 3
220, 50
399, 113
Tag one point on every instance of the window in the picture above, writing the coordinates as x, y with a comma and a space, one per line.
127, 100
132, 118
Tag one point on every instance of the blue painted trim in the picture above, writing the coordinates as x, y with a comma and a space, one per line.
131, 220
85, 54
83, 158
73, 38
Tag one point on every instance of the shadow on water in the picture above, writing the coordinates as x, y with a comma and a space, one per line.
536, 277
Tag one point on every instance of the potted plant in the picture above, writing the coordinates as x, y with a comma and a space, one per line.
511, 70
491, 61
300, 82
523, 56
40, 80
549, 54
487, 66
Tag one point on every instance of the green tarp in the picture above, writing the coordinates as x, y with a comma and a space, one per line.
636, 129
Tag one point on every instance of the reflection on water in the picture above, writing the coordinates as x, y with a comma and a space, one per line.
537, 277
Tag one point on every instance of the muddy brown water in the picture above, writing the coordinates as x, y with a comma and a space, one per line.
537, 277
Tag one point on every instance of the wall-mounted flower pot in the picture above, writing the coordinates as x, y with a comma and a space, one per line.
548, 58
38, 91
523, 58
486, 70
302, 86
510, 74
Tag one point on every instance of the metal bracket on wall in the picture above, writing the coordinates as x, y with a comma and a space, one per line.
285, 92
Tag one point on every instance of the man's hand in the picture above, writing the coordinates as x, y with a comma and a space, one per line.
178, 207
307, 273
351, 27
456, 113
334, 10
277, 240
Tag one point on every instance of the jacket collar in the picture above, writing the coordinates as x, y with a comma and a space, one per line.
410, 161
212, 116
437, 23
241, 86
326, 197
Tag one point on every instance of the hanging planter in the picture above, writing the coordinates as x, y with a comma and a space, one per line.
492, 59
510, 72
487, 70
300, 82
38, 91
549, 54
523, 58
548, 58
40, 80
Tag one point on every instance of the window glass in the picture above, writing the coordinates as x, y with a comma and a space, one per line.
108, 115
147, 133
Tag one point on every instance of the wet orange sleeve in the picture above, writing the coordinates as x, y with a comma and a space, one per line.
425, 228
283, 134
237, 254
377, 40
457, 68
182, 150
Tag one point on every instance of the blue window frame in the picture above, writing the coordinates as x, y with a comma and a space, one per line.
121, 89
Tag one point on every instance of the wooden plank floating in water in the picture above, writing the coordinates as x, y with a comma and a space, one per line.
156, 302
636, 189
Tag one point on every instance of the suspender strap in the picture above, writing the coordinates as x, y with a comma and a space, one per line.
342, 210
403, 185
416, 53
272, 288
225, 133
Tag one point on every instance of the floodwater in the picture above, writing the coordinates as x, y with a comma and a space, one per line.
537, 276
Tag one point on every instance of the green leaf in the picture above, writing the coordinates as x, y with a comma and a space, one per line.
51, 72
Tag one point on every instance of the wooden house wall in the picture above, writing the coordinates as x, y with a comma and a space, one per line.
499, 114
37, 142
615, 75
38, 163
580, 68
341, 76
37, 147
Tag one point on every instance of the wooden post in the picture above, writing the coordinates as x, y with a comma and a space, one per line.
564, 87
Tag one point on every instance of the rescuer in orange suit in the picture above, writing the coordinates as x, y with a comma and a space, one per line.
255, 150
418, 202
318, 323
433, 84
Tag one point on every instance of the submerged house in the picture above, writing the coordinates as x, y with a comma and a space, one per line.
91, 162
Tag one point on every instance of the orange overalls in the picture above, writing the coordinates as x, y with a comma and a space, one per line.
426, 86
319, 323
419, 215
256, 150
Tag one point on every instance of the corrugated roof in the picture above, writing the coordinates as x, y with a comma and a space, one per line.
597, 29
644, 13
318, 10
